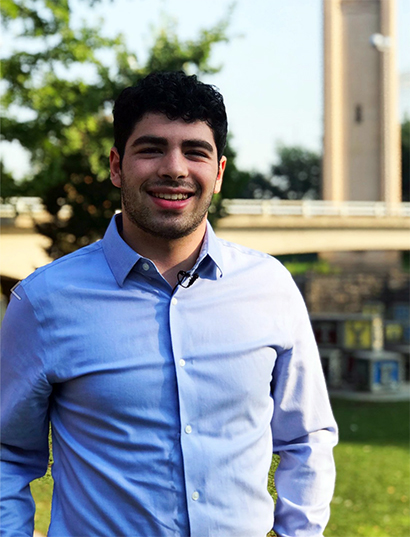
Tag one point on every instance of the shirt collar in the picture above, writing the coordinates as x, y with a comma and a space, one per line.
121, 258
212, 249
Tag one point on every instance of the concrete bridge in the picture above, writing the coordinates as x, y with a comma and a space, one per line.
282, 227
273, 226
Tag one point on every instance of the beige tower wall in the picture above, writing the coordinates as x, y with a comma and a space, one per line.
390, 126
361, 93
361, 138
333, 147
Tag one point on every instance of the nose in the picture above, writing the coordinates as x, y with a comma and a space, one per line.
173, 165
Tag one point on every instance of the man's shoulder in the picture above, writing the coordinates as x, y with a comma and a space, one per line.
68, 268
256, 269
243, 254
260, 273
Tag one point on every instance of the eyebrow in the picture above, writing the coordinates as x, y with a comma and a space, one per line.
198, 143
158, 140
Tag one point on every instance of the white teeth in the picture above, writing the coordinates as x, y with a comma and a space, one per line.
171, 196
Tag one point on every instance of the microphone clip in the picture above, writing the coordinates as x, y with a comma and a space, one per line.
186, 279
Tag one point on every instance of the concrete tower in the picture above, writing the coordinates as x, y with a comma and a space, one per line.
361, 131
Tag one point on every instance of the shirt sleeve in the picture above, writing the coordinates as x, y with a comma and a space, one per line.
25, 394
304, 433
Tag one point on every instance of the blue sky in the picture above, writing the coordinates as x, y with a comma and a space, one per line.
271, 75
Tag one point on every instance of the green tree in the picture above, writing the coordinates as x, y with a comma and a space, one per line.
64, 120
258, 187
405, 159
297, 174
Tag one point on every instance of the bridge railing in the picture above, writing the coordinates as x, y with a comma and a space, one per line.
306, 208
309, 208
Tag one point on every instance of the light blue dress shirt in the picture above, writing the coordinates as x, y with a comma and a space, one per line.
164, 404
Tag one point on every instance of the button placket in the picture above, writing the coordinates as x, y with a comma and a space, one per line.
189, 441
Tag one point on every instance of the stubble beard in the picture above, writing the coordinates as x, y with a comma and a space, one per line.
166, 224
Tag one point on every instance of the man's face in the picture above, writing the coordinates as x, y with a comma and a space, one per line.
169, 173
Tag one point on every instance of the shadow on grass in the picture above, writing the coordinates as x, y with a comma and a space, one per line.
373, 423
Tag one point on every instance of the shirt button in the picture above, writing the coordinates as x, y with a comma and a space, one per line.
188, 429
182, 362
145, 266
174, 301
195, 495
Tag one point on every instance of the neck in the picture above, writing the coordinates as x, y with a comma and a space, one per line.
169, 256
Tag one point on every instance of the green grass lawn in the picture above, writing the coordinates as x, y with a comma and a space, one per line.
373, 473
42, 490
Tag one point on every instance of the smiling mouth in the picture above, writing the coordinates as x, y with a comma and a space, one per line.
172, 197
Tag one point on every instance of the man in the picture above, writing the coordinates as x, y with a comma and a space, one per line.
168, 362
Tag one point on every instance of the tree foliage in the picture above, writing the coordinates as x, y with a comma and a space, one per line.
296, 175
258, 187
405, 159
60, 85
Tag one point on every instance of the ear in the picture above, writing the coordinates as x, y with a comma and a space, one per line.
218, 183
115, 167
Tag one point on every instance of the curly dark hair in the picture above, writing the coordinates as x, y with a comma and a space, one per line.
176, 95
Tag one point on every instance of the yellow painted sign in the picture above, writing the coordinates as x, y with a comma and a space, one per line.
363, 334
394, 332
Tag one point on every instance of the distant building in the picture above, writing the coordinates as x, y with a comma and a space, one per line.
361, 124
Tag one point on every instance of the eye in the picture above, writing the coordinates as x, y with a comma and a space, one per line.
149, 151
197, 153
